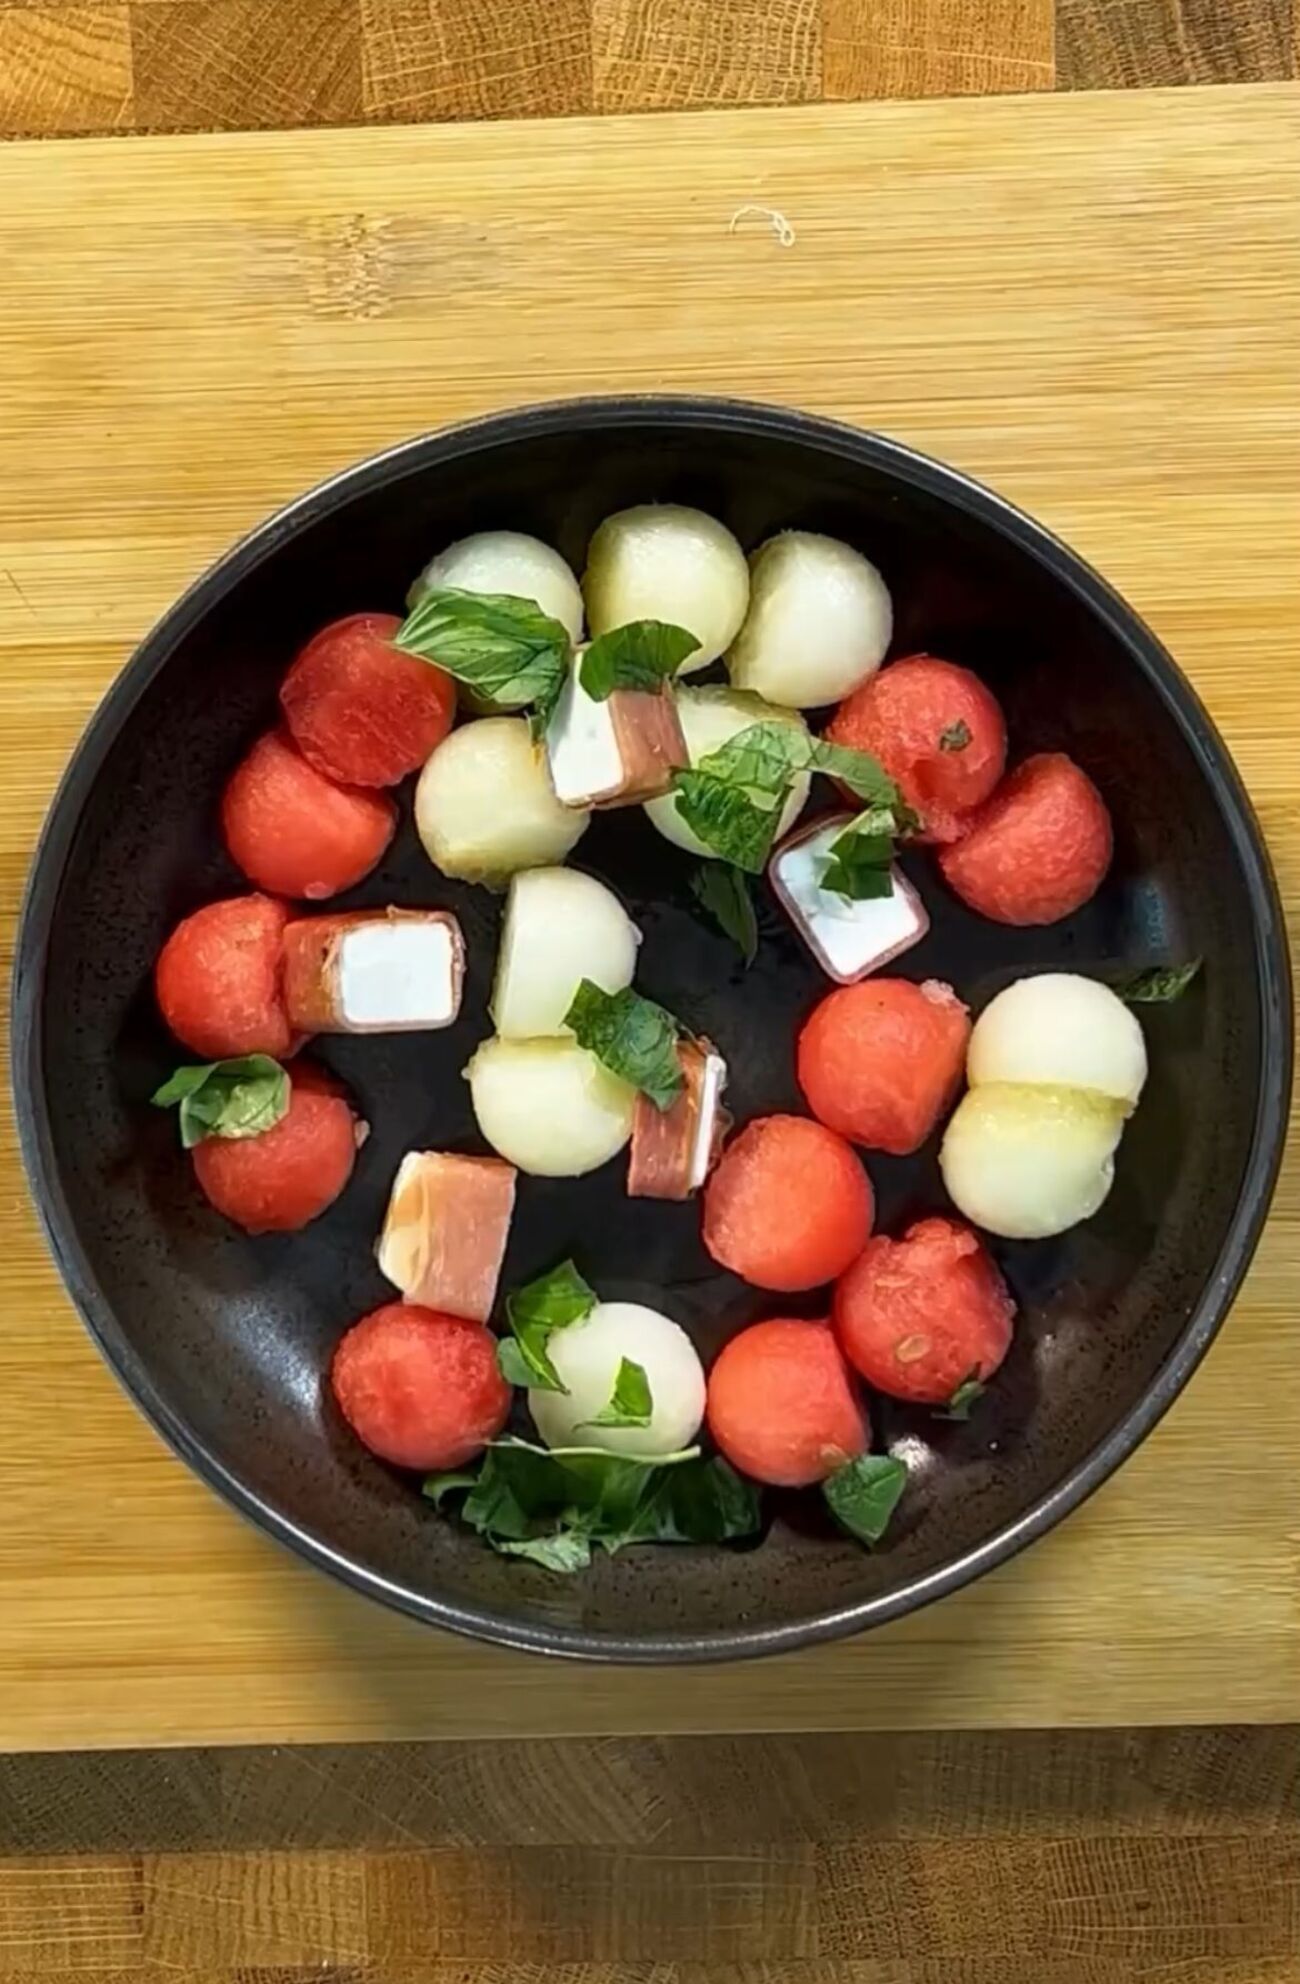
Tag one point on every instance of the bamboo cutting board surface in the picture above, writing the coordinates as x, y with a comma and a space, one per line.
1089, 302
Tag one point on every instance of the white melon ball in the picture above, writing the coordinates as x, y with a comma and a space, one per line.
560, 927
818, 625
485, 806
710, 718
1027, 1162
506, 561
662, 562
1060, 1029
586, 1357
548, 1106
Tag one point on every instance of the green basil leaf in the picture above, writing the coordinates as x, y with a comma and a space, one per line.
438, 1486
863, 1494
552, 1507
726, 819
564, 1552
631, 1036
864, 775
859, 864
734, 797
513, 1365
642, 655
506, 649
720, 888
232, 1099
956, 737
1160, 985
630, 1403
705, 1502
968, 1392
551, 1302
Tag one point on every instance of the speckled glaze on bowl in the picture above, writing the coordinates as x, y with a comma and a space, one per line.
223, 1340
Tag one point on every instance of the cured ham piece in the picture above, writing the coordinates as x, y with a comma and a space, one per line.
373, 971
673, 1150
446, 1229
616, 752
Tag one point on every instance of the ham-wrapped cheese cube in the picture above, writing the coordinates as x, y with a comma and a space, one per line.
446, 1229
616, 752
673, 1150
848, 939
373, 971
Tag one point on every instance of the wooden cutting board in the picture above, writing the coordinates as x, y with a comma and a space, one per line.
1090, 302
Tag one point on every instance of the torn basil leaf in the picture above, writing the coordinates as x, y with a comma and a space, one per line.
721, 888
863, 1494
642, 655
568, 1550
967, 1393
554, 1507
632, 1037
956, 737
859, 863
1160, 985
551, 1302
505, 649
865, 777
630, 1402
733, 798
238, 1098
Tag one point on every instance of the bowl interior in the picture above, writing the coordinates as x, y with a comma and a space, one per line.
231, 1336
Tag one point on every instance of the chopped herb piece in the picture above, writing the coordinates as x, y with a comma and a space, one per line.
642, 655
721, 889
506, 649
630, 1403
239, 1098
863, 1494
551, 1302
1160, 985
632, 1037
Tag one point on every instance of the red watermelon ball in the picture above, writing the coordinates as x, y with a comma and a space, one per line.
782, 1405
360, 710
283, 1179
295, 832
918, 1317
788, 1205
419, 1388
1038, 849
217, 980
938, 731
880, 1062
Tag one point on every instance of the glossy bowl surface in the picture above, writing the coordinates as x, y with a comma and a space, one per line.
223, 1340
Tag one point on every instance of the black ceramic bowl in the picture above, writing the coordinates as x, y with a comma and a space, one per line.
223, 1340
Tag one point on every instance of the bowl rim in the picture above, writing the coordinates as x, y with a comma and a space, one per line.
862, 448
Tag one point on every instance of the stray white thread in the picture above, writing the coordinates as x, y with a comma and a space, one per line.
778, 223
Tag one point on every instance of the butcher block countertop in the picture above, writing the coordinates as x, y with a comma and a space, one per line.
1088, 302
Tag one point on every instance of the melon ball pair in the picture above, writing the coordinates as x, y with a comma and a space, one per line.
1056, 1065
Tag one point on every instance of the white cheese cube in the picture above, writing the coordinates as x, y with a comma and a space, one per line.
849, 939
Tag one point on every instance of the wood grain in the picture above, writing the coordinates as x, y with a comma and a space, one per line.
465, 58
93, 65
268, 309
1115, 44
961, 1859
65, 69
681, 54
245, 64
916, 48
